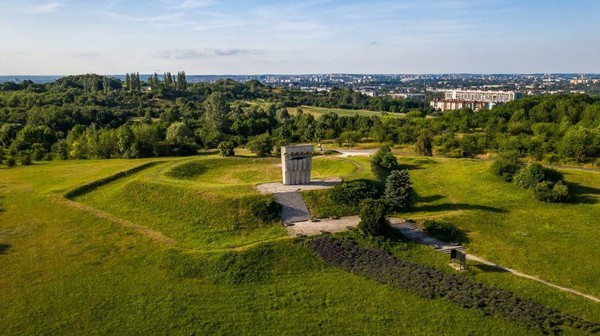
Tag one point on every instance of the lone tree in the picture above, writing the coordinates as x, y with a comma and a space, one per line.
226, 148
424, 145
372, 218
383, 163
398, 190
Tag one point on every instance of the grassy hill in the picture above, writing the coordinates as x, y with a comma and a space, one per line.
97, 268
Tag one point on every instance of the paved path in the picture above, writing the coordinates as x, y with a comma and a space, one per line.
293, 208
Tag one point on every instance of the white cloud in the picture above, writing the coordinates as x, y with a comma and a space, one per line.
45, 8
188, 4
180, 54
147, 18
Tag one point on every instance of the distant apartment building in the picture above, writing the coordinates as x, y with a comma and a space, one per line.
493, 97
456, 104
473, 99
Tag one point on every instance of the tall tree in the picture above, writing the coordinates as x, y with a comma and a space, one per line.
217, 110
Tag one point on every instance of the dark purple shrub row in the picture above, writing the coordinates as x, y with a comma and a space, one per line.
431, 283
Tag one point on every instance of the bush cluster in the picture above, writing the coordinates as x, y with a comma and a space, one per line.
353, 192
507, 165
431, 283
441, 230
547, 184
226, 148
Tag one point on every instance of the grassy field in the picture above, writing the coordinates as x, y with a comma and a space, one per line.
318, 111
71, 271
503, 223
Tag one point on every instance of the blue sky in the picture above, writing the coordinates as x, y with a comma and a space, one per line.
311, 36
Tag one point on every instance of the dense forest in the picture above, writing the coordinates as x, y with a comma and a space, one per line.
92, 116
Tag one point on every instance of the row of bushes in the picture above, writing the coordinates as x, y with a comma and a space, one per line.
431, 283
547, 184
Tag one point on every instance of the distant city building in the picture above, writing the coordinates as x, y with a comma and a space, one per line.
493, 97
473, 99
417, 96
456, 104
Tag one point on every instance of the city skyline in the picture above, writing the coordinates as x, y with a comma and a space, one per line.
319, 36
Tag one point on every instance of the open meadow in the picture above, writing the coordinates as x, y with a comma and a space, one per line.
174, 248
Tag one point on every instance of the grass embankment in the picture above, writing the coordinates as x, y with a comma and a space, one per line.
66, 271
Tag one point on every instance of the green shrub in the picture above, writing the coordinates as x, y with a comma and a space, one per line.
424, 145
25, 160
11, 162
507, 165
383, 163
372, 218
261, 145
441, 230
398, 190
529, 176
226, 148
265, 208
547, 191
353, 192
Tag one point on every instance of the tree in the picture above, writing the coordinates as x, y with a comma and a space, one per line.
126, 142
181, 81
384, 162
168, 79
398, 190
424, 145
179, 133
217, 111
507, 164
372, 218
261, 145
227, 148
580, 144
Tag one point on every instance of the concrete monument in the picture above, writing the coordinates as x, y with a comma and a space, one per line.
296, 163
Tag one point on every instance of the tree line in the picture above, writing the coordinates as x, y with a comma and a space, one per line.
92, 116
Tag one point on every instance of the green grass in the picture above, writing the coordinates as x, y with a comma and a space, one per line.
318, 111
503, 223
68, 271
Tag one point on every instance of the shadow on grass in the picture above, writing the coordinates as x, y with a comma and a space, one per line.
206, 152
583, 194
4, 248
427, 199
457, 206
410, 167
490, 268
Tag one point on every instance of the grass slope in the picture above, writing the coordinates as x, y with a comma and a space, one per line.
67, 271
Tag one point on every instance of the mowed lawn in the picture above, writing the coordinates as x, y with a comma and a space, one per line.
505, 224
67, 271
